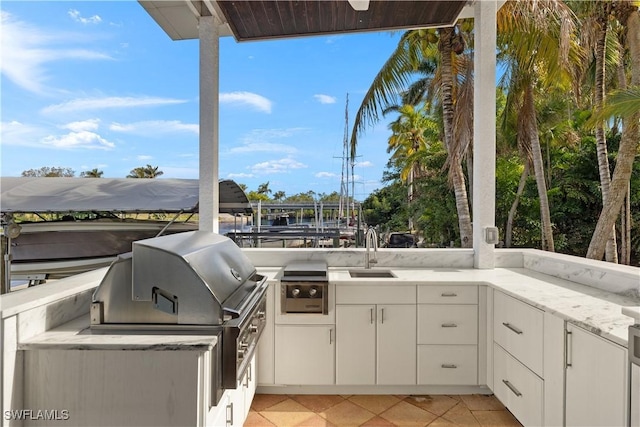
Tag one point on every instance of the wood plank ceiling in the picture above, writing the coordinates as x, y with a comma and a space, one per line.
267, 19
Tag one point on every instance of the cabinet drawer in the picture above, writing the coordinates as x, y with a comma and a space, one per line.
519, 389
448, 364
447, 294
447, 324
518, 328
383, 294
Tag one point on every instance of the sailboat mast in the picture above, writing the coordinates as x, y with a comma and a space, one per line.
347, 152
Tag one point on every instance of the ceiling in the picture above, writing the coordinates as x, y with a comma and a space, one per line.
268, 19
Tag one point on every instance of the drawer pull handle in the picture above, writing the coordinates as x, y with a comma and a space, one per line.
449, 366
449, 294
230, 414
449, 325
568, 350
512, 388
513, 328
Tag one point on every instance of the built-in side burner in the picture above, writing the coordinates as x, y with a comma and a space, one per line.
304, 288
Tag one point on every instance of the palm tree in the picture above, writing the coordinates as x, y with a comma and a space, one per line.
534, 39
264, 188
407, 139
415, 48
629, 17
93, 173
147, 171
279, 195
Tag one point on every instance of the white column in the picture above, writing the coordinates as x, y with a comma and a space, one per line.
209, 200
484, 131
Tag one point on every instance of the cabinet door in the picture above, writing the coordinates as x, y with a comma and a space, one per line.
305, 355
396, 347
596, 380
355, 344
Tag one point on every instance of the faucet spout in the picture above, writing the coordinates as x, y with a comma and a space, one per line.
370, 239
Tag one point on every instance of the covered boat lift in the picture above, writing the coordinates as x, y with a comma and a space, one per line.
208, 20
70, 245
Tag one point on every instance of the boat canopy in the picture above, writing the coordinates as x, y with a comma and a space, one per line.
57, 194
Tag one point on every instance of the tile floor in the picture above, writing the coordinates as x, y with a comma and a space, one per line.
377, 410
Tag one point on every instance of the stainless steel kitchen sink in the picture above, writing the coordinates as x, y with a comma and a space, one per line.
381, 274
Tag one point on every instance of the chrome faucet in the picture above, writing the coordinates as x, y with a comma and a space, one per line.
371, 238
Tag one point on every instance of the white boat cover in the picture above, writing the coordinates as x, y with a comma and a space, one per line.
54, 194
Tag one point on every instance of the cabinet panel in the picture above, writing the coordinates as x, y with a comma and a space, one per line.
370, 294
396, 344
305, 354
518, 388
596, 380
447, 324
448, 364
518, 328
356, 344
447, 294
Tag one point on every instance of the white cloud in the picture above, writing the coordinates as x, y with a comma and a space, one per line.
26, 49
91, 124
240, 175
326, 175
364, 164
75, 15
253, 147
83, 104
257, 102
16, 133
144, 157
155, 127
325, 99
78, 140
277, 166
267, 140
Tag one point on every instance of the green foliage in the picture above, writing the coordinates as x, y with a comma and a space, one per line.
47, 171
147, 172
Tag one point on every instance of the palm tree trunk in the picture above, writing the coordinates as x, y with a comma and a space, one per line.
455, 166
626, 152
538, 169
514, 206
626, 230
601, 141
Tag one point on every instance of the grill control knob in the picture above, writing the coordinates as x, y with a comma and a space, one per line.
313, 292
241, 353
253, 329
261, 314
295, 292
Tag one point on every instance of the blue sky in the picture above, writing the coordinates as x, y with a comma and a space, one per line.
99, 85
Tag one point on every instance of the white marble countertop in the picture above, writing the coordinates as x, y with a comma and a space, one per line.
595, 310
77, 335
633, 312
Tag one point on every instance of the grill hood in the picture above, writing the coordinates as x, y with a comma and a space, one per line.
191, 278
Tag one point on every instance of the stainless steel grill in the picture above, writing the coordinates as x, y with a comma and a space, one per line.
187, 283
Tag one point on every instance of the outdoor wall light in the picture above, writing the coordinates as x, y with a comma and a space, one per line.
491, 235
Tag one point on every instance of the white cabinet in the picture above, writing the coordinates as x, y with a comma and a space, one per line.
596, 380
447, 334
376, 335
304, 354
396, 339
234, 406
518, 328
376, 344
518, 388
518, 355
355, 344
